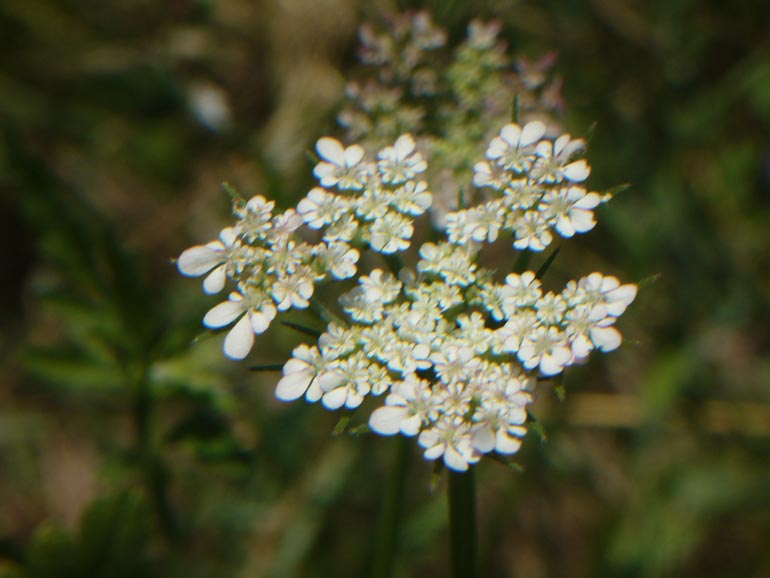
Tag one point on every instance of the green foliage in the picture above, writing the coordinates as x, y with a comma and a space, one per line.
112, 542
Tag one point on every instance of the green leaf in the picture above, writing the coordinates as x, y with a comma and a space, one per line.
522, 261
267, 367
305, 330
548, 262
114, 537
536, 427
52, 554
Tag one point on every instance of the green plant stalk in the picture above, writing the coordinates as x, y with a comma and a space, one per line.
151, 463
462, 523
386, 538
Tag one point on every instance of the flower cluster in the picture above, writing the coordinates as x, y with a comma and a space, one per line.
367, 202
453, 349
358, 203
540, 187
453, 98
455, 352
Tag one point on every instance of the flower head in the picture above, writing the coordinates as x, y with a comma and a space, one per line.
452, 349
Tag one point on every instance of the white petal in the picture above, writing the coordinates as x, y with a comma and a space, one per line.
590, 201
329, 380
411, 425
484, 439
549, 365
560, 143
228, 235
239, 340
403, 146
197, 260
582, 221
260, 320
581, 346
454, 460
387, 420
606, 338
335, 398
353, 155
532, 132
293, 385
215, 281
564, 227
577, 171
505, 444
314, 392
433, 452
511, 134
354, 399
331, 150
620, 298
223, 314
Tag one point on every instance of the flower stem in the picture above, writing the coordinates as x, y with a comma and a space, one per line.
153, 469
462, 523
386, 543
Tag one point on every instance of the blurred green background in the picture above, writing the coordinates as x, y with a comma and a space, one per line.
127, 450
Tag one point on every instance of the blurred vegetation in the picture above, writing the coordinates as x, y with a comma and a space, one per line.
129, 446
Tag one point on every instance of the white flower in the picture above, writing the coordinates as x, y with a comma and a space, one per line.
586, 330
255, 317
284, 225
284, 259
337, 341
474, 332
546, 348
432, 256
319, 208
553, 164
343, 167
501, 415
454, 363
519, 326
412, 198
293, 290
520, 291
378, 341
357, 304
201, 259
550, 308
400, 162
256, 217
299, 374
532, 232
406, 408
571, 209
486, 175
453, 263
339, 259
513, 149
373, 203
606, 293
450, 439
522, 194
380, 287
343, 229
347, 384
478, 224
605, 336
391, 233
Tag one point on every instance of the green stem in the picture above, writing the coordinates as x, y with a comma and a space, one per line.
386, 543
462, 523
151, 463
